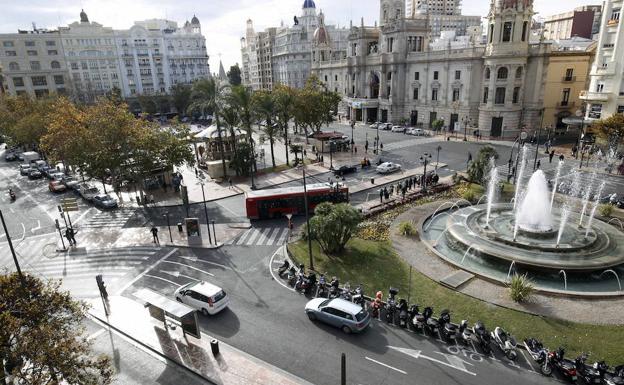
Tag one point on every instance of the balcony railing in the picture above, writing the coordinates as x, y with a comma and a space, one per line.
568, 79
598, 96
565, 104
613, 22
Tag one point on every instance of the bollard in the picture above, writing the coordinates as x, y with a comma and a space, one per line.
372, 180
179, 226
214, 346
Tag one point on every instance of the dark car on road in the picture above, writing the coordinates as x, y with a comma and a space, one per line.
104, 201
343, 170
34, 174
10, 157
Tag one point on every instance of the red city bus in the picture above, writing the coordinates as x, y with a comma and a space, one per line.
274, 203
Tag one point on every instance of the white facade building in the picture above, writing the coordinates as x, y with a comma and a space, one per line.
605, 95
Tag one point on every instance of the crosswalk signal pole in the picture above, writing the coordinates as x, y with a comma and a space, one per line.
58, 227
17, 266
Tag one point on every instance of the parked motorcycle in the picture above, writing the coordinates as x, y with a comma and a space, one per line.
358, 296
464, 334
283, 268
431, 323
334, 288
321, 290
483, 337
292, 276
614, 377
391, 305
448, 330
505, 342
564, 366
539, 354
417, 320
403, 313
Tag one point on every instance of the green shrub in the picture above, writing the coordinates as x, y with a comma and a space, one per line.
469, 195
407, 229
521, 288
605, 210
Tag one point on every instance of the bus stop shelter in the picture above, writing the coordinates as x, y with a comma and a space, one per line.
163, 309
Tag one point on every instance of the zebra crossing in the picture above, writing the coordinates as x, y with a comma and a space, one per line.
109, 219
27, 250
267, 236
409, 143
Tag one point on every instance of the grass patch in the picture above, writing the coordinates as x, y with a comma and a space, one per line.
375, 265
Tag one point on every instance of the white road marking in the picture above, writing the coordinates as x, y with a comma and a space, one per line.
127, 285
273, 236
177, 274
96, 334
252, 237
190, 267
282, 238
385, 365
163, 279
32, 230
82, 215
245, 234
418, 354
527, 360
277, 279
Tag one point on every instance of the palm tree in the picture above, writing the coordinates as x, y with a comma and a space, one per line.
241, 99
231, 121
265, 108
208, 96
285, 102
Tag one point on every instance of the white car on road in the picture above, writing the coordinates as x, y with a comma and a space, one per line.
203, 296
398, 129
416, 131
388, 167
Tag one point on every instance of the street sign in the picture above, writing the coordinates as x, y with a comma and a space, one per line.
69, 204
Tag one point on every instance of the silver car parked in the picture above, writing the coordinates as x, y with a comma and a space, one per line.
339, 313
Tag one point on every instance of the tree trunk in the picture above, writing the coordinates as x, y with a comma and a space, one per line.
271, 141
104, 185
221, 145
305, 130
286, 142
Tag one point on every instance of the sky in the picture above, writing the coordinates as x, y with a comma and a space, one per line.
223, 21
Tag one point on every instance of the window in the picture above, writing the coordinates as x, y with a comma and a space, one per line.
565, 97
10, 53
507, 29
54, 64
599, 87
18, 82
8, 44
519, 73
31, 52
568, 75
435, 75
29, 43
502, 73
491, 33
52, 52
615, 14
525, 30
516, 95
35, 65
499, 97
416, 75
58, 79
486, 94
74, 66
457, 75
620, 109
487, 73
41, 93
416, 93
455, 94
390, 44
335, 78
50, 43
13, 66
39, 81
434, 94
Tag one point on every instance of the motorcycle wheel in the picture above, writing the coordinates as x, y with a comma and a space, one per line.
512, 355
546, 369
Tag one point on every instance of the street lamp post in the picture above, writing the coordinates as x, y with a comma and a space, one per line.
201, 183
438, 158
307, 214
466, 121
352, 140
425, 159
166, 215
8, 237
331, 159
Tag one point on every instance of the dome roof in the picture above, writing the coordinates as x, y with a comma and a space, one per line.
321, 36
194, 20
309, 4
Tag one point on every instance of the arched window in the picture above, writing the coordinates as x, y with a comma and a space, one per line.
55, 64
487, 72
13, 66
502, 73
519, 73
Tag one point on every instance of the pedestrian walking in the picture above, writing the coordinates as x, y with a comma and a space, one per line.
386, 194
403, 191
230, 183
69, 237
355, 149
72, 234
469, 157
561, 157
539, 163
154, 231
381, 195
551, 156
391, 189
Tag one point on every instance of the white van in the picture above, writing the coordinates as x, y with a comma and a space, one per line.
30, 156
203, 296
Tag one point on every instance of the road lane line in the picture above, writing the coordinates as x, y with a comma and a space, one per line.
282, 238
190, 267
127, 285
528, 361
252, 237
386, 365
271, 239
245, 235
163, 279
277, 279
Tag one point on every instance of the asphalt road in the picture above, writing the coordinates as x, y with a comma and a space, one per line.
267, 320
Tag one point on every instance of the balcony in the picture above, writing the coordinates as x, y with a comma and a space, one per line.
565, 105
568, 79
613, 22
594, 96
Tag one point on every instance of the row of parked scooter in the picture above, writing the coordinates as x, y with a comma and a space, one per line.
404, 315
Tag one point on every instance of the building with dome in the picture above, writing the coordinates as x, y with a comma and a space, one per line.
284, 54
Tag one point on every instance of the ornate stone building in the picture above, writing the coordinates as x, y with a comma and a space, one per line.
393, 72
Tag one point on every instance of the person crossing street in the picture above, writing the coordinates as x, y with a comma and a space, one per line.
154, 231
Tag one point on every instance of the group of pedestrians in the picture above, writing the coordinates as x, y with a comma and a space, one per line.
400, 188
70, 234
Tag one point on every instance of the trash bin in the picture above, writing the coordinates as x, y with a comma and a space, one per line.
179, 226
372, 180
214, 346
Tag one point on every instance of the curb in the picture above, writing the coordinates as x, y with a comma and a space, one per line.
217, 246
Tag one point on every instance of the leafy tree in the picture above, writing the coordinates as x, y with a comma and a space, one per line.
234, 75
208, 97
265, 108
148, 104
231, 121
23, 120
477, 170
115, 96
163, 103
284, 103
181, 97
296, 149
240, 98
611, 129
437, 124
333, 225
42, 337
242, 160
314, 105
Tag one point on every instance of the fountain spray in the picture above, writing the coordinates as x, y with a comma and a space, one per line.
552, 197
586, 197
525, 150
491, 190
567, 206
593, 212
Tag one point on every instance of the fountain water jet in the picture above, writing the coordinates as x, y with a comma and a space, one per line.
593, 212
491, 190
533, 215
513, 263
586, 197
525, 150
466, 252
435, 244
618, 220
565, 211
552, 197
565, 279
481, 197
616, 277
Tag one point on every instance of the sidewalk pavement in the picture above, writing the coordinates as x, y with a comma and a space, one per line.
141, 236
389, 178
230, 367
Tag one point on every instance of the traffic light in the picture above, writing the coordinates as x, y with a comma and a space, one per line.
101, 286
